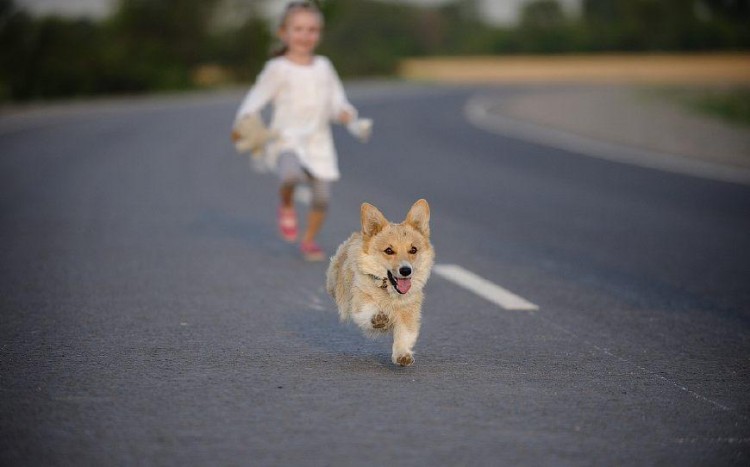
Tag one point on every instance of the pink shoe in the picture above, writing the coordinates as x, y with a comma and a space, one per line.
287, 219
311, 251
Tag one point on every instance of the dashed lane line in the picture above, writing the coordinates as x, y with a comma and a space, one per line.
484, 288
510, 301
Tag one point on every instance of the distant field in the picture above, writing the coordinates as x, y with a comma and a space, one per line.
705, 69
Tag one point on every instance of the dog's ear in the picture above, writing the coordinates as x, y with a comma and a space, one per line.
373, 220
419, 217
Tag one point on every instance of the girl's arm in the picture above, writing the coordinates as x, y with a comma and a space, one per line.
264, 89
342, 110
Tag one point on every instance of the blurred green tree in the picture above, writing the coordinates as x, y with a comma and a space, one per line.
365, 37
151, 45
155, 43
15, 48
544, 28
369, 37
656, 25
241, 49
48, 57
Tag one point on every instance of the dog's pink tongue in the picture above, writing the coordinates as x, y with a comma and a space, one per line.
403, 285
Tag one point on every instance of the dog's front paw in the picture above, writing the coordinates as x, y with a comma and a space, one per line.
379, 321
403, 360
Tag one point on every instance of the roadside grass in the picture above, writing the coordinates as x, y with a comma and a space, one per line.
729, 104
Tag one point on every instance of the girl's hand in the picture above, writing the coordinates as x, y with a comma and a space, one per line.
345, 117
361, 129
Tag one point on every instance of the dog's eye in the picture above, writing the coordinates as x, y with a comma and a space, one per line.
413, 250
389, 251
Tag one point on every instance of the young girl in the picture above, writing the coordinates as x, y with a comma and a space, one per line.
307, 95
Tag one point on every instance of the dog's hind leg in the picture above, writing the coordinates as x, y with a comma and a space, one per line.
405, 333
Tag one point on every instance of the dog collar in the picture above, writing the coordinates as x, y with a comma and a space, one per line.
384, 281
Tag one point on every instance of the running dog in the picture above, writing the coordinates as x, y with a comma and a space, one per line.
377, 276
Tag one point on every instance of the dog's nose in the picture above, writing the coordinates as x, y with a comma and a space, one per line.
405, 271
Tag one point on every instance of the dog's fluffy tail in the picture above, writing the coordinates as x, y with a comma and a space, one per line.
336, 279
334, 267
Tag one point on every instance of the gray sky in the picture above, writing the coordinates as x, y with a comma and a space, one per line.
496, 11
93, 8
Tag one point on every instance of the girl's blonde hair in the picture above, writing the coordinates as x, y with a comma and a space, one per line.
291, 8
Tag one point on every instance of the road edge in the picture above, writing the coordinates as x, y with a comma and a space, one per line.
478, 111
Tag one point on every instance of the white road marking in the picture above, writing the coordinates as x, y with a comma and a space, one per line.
484, 288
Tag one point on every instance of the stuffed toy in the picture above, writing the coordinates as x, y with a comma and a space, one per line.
251, 135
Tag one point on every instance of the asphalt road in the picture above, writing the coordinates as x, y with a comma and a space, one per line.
150, 315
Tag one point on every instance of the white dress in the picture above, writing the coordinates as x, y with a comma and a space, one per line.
306, 99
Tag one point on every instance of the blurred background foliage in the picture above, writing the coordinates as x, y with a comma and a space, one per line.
156, 45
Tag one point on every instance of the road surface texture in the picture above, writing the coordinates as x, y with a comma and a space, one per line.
151, 316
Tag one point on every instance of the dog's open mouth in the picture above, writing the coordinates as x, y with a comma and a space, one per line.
401, 285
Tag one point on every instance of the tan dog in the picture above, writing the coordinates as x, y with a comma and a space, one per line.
376, 276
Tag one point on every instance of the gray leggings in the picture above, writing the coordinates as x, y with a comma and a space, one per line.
291, 172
